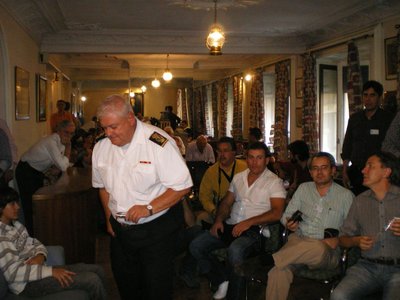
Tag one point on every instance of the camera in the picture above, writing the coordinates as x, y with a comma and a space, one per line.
296, 217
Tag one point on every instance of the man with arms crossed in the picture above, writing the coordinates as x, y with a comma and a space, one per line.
373, 225
255, 197
141, 176
324, 204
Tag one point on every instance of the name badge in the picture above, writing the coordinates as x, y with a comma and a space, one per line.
374, 132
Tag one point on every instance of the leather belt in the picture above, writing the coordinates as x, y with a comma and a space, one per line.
383, 261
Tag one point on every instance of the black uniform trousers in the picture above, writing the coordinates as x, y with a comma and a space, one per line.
29, 180
142, 256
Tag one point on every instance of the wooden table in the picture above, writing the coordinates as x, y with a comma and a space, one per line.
65, 214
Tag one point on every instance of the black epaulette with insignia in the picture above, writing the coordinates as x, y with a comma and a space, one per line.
158, 139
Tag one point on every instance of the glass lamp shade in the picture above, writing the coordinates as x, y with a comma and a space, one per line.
167, 76
155, 83
215, 40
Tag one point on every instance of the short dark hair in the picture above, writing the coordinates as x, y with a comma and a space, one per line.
388, 160
323, 154
256, 132
300, 148
227, 140
7, 195
260, 146
375, 85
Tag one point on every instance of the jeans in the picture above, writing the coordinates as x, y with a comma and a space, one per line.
366, 278
239, 249
90, 278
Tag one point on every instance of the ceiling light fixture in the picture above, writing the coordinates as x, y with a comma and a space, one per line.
155, 83
167, 75
216, 37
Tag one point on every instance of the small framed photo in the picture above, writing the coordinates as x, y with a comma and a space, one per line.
299, 88
391, 58
41, 100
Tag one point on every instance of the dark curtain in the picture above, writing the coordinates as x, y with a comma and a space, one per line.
237, 129
282, 89
256, 111
214, 99
310, 104
354, 84
223, 106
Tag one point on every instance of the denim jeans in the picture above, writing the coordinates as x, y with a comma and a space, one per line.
90, 278
239, 249
366, 278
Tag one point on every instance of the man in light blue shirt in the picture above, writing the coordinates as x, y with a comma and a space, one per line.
324, 206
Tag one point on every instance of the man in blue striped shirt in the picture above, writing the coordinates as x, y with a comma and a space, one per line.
324, 205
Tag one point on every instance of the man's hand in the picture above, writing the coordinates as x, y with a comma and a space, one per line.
240, 227
216, 228
64, 277
291, 225
365, 242
346, 179
109, 229
35, 260
136, 212
395, 227
331, 242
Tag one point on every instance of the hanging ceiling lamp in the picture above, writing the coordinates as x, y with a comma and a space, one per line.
167, 75
155, 83
216, 37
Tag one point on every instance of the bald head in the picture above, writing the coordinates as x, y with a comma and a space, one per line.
201, 142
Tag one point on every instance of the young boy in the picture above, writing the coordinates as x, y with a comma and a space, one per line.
22, 260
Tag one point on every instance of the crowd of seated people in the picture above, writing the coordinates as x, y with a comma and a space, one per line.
237, 196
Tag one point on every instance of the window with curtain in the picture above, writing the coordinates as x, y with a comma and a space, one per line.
229, 118
269, 107
209, 111
334, 106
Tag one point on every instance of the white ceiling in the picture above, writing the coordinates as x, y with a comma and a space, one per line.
99, 39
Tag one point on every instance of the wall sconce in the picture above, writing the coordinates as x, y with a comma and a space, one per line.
83, 98
248, 77
144, 89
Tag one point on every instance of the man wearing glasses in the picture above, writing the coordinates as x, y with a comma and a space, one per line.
323, 205
50, 154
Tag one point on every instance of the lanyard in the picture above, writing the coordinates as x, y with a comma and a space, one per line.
229, 178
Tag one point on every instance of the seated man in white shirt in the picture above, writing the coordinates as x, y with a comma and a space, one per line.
255, 197
200, 150
50, 153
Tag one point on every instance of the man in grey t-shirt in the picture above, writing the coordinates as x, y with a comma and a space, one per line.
373, 225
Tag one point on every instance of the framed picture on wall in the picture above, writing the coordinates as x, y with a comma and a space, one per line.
41, 98
21, 94
391, 58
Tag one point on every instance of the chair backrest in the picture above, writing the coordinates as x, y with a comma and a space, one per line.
197, 170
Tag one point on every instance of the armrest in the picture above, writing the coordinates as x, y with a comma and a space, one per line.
55, 256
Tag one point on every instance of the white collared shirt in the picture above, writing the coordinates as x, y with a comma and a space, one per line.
47, 152
141, 173
251, 201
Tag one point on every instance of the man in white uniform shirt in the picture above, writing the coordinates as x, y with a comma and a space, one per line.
51, 153
255, 197
141, 176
